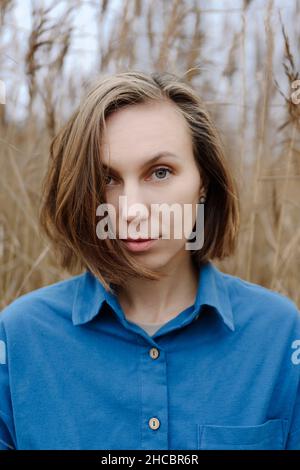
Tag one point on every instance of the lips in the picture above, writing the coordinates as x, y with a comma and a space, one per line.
138, 239
140, 244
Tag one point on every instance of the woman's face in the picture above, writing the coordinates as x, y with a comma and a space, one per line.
135, 135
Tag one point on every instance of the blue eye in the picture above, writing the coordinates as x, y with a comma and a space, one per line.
162, 171
109, 176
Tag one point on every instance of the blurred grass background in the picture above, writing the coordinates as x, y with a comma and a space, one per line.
241, 56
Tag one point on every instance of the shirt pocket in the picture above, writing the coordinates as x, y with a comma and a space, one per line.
269, 435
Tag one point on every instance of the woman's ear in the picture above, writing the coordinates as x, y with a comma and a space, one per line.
204, 185
203, 191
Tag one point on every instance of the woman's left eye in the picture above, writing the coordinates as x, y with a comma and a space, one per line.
161, 171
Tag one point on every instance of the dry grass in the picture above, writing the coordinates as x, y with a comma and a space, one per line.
259, 122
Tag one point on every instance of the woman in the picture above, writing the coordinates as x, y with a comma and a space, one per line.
152, 346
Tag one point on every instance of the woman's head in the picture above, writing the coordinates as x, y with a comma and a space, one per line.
105, 150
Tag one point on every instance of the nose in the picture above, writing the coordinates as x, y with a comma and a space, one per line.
133, 206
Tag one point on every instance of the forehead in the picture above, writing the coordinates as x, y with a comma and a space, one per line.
145, 129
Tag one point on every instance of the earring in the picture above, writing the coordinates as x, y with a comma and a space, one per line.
202, 199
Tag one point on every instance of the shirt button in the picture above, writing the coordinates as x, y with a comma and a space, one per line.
154, 353
154, 423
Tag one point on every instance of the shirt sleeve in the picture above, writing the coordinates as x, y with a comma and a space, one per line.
7, 435
293, 439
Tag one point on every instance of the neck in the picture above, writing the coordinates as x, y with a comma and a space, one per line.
149, 301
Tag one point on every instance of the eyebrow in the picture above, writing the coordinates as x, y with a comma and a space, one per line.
152, 160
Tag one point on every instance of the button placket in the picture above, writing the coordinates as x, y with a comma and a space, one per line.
154, 399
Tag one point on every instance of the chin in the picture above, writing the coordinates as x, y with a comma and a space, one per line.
154, 261
158, 261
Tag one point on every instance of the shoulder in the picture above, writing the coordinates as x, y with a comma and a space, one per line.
255, 303
41, 304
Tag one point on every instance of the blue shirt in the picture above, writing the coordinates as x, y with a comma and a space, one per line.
222, 374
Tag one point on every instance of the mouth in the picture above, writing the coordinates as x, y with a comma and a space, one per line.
138, 239
139, 244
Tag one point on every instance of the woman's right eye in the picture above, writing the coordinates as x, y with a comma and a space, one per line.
107, 177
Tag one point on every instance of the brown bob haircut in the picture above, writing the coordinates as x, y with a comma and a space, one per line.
75, 181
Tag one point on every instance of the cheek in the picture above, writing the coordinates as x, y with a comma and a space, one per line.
112, 197
186, 189
187, 196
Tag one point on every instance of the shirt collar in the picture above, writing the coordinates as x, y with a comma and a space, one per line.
212, 291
